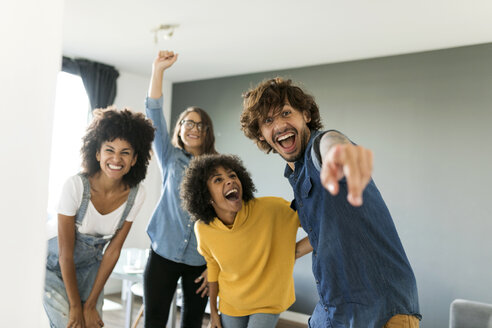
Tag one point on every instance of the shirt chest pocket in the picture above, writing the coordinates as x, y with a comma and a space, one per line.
181, 161
178, 169
306, 187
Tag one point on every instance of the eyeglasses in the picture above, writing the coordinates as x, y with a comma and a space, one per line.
190, 124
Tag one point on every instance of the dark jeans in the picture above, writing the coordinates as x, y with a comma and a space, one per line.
160, 279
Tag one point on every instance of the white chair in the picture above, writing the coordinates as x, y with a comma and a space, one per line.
137, 289
470, 314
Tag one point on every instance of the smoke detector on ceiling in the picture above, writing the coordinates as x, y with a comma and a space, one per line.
166, 31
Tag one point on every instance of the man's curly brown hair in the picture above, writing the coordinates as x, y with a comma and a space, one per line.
274, 94
195, 196
110, 124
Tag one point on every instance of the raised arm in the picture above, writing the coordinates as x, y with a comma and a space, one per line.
66, 241
163, 61
340, 158
110, 257
303, 247
153, 107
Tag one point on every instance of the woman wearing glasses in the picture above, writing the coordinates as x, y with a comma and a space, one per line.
173, 243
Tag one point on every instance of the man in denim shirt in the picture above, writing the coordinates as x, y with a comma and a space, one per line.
362, 274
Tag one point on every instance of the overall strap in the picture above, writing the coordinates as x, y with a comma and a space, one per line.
129, 204
86, 197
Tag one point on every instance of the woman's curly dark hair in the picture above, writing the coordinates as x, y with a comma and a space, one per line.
195, 196
110, 124
273, 94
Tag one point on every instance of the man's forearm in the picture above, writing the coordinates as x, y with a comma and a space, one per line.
330, 139
303, 247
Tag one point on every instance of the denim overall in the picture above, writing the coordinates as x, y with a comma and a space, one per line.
87, 254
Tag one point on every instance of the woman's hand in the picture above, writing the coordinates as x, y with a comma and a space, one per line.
164, 60
204, 286
92, 318
215, 320
76, 317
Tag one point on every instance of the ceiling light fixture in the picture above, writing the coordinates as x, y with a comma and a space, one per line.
167, 31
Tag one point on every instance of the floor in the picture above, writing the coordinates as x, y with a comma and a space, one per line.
114, 314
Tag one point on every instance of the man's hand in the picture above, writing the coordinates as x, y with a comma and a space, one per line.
204, 285
349, 161
164, 60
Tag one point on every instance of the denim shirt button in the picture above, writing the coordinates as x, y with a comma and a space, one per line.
326, 308
186, 240
189, 225
317, 282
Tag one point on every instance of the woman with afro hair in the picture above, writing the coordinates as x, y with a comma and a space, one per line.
249, 243
96, 209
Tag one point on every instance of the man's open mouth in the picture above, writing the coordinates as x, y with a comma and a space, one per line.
287, 141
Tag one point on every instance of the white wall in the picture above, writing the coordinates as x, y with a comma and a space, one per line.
30, 32
131, 91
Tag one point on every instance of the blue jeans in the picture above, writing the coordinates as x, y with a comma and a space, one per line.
256, 320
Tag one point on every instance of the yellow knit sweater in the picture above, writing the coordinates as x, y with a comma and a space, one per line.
253, 260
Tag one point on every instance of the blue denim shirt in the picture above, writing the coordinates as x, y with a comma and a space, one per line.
362, 274
170, 229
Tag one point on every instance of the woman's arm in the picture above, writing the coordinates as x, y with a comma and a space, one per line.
153, 108
303, 247
164, 60
110, 257
66, 241
213, 288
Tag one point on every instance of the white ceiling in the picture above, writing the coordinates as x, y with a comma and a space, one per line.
229, 37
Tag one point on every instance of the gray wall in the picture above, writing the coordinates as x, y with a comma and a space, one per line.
426, 116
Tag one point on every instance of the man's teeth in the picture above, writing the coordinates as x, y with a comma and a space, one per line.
230, 192
115, 167
288, 135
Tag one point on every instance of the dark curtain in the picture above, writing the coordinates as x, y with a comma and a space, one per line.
99, 80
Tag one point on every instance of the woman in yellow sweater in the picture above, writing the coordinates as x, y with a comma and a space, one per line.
249, 243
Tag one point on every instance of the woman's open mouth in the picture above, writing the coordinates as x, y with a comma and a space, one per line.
115, 167
232, 195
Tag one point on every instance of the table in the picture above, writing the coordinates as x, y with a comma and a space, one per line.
129, 269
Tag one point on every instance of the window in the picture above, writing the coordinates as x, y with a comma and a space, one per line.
71, 116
